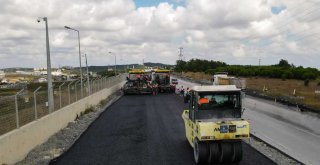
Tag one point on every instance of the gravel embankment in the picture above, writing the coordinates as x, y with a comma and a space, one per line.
64, 139
272, 153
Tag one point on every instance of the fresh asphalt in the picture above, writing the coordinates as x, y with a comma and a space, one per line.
141, 129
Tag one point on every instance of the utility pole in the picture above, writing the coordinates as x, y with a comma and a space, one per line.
88, 79
67, 27
180, 54
50, 87
259, 61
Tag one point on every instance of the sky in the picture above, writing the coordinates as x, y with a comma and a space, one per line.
232, 31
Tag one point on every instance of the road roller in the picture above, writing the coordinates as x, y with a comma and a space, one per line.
213, 124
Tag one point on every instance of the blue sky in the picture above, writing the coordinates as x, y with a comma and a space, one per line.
277, 9
147, 3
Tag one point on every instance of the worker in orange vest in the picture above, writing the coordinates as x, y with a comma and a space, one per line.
203, 100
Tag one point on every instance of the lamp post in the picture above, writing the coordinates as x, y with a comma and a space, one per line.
50, 87
67, 27
88, 79
115, 63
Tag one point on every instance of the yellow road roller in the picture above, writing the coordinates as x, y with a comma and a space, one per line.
213, 124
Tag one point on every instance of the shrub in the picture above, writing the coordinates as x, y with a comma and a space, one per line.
306, 82
284, 77
89, 109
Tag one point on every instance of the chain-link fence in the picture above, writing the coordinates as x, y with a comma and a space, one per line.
27, 105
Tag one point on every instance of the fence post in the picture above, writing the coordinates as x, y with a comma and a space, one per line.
108, 82
60, 94
53, 100
17, 112
97, 84
75, 90
69, 91
83, 87
94, 84
105, 82
100, 83
35, 103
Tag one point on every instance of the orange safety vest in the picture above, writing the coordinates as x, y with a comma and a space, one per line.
203, 101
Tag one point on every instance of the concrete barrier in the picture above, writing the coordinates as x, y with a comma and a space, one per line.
15, 145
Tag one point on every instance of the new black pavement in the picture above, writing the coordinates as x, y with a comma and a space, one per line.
141, 129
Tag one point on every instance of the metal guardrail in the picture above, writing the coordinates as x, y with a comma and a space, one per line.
26, 106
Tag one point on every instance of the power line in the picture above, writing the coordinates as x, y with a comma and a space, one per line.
286, 23
180, 54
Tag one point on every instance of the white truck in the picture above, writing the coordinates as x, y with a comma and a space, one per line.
222, 78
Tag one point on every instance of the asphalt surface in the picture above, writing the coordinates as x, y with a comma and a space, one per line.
295, 133
141, 129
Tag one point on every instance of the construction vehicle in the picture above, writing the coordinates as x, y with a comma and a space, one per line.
174, 81
162, 77
213, 124
222, 78
138, 82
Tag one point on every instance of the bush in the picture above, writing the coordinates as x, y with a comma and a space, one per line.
284, 77
306, 82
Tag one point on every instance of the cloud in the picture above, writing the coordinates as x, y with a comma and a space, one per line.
237, 32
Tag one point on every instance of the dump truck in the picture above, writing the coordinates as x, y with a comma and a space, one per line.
138, 82
162, 78
222, 78
213, 124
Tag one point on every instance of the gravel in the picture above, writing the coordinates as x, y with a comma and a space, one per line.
65, 138
272, 153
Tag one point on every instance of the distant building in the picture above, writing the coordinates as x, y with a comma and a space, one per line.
67, 67
41, 80
5, 81
39, 69
57, 73
24, 72
2, 74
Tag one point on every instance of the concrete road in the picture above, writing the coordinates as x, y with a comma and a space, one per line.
141, 129
293, 132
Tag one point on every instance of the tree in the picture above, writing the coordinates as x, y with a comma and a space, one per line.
181, 66
284, 63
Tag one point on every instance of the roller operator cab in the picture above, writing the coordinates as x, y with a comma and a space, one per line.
213, 124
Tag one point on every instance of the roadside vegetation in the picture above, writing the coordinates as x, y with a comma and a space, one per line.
282, 70
282, 80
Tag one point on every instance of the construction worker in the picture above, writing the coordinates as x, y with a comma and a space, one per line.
187, 96
154, 86
182, 91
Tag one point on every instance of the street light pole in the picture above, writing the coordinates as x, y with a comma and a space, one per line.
115, 63
50, 87
88, 80
67, 27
